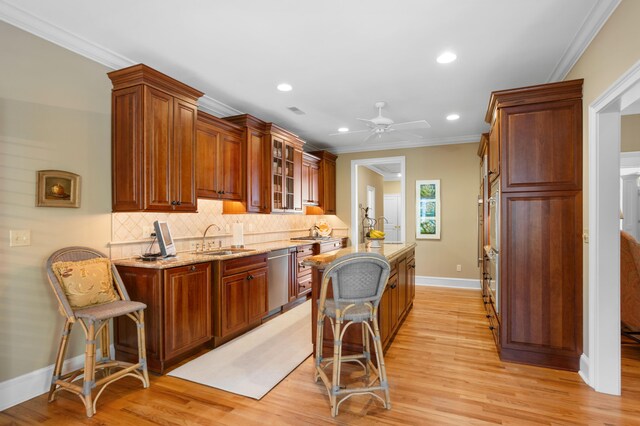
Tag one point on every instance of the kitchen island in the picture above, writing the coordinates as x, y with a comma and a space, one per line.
396, 302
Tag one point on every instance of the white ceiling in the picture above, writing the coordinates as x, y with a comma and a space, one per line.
340, 56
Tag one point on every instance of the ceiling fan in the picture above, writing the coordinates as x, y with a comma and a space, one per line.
380, 125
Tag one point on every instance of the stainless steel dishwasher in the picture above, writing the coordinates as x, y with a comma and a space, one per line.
278, 262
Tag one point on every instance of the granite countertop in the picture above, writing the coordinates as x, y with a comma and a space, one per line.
190, 258
389, 250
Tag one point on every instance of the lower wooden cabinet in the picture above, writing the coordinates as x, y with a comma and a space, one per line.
240, 296
178, 314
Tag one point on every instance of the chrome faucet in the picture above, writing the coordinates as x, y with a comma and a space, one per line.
313, 231
205, 233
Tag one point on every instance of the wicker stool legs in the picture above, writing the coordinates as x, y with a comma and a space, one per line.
112, 370
337, 393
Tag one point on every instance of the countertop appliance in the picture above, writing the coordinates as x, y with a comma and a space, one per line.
278, 262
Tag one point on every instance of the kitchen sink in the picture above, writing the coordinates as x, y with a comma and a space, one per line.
224, 251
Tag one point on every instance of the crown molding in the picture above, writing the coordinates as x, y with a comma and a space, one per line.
407, 144
30, 23
592, 24
217, 108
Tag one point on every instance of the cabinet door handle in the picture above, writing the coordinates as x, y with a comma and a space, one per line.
491, 327
193, 268
174, 203
179, 203
250, 277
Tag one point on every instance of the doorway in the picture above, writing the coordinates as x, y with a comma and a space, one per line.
355, 185
602, 368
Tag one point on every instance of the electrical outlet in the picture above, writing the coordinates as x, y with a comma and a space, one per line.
19, 237
147, 231
458, 268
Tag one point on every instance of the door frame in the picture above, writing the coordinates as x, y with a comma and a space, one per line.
355, 211
601, 367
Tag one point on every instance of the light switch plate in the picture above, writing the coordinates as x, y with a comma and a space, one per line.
19, 237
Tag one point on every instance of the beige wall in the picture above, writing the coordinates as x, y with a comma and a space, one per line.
630, 133
392, 187
367, 177
612, 52
457, 168
54, 114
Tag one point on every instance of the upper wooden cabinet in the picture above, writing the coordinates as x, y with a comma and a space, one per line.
255, 168
219, 154
326, 184
286, 170
153, 141
535, 142
310, 177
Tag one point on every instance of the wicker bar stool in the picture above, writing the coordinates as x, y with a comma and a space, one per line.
358, 281
90, 292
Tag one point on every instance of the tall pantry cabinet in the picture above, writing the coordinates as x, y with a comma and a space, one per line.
535, 171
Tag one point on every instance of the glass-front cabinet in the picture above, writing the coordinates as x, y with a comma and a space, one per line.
286, 173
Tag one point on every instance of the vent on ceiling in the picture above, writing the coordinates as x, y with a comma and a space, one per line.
296, 110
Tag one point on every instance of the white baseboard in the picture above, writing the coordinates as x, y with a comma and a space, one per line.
448, 282
584, 369
23, 388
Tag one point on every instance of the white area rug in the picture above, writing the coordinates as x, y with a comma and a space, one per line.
254, 363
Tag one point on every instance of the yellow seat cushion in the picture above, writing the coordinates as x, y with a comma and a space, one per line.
86, 282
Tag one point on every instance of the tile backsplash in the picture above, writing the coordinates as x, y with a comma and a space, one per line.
127, 238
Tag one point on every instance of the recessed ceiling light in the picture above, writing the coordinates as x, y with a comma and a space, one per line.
343, 129
446, 58
284, 87
452, 117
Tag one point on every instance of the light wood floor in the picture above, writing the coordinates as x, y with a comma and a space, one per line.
443, 369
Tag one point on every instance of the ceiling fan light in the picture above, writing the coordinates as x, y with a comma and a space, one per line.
285, 87
343, 129
446, 57
452, 117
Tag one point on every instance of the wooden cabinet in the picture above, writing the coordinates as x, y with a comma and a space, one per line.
187, 308
255, 167
538, 132
153, 141
219, 155
178, 314
326, 184
286, 171
240, 295
494, 150
310, 179
303, 272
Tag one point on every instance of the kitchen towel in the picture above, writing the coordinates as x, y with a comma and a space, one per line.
238, 234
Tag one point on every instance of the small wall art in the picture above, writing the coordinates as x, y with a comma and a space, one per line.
57, 188
428, 220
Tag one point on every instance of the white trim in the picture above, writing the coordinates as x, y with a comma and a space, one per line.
33, 24
604, 373
584, 369
23, 388
592, 24
355, 210
468, 283
407, 144
630, 160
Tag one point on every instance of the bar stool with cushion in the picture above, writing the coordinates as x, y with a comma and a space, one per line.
358, 281
90, 292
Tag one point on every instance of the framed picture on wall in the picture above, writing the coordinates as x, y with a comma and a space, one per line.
57, 188
428, 219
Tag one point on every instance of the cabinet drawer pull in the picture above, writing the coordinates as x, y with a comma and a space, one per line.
491, 327
193, 268
250, 277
